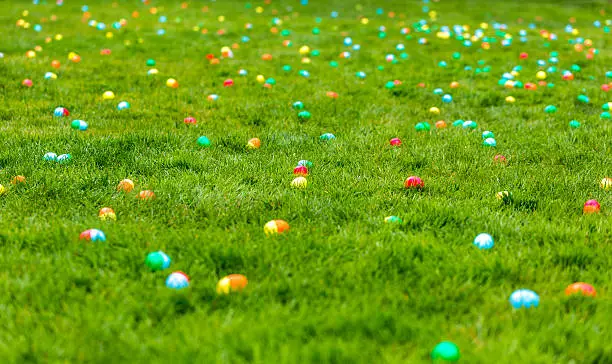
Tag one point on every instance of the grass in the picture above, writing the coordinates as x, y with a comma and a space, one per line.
341, 286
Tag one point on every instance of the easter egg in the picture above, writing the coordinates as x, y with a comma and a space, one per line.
228, 83
300, 171
504, 196
298, 105
445, 351
393, 220
212, 97
524, 298
146, 195
125, 185
305, 163
591, 207
605, 115
50, 156
203, 141
152, 72
64, 158
414, 182
79, 125
303, 115
440, 124
489, 142
231, 283
3, 190
18, 180
172, 83
108, 95
27, 82
422, 126
498, 158
487, 134
607, 106
93, 235
190, 120
327, 137
254, 143
396, 142
574, 124
580, 288
583, 98
177, 280
550, 109
106, 213
299, 182
157, 261
434, 110
541, 75
484, 241
275, 227
469, 124
50, 76
304, 50
123, 105
61, 111
447, 98
55, 64
606, 183
150, 62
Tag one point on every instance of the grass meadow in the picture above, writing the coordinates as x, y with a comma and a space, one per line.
341, 285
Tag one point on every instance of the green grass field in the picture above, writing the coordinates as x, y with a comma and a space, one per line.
341, 286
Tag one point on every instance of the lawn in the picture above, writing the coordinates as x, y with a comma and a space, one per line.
341, 285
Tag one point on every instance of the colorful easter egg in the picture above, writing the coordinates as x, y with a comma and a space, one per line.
580, 288
203, 141
125, 185
591, 207
157, 261
393, 220
108, 95
275, 227
396, 142
177, 280
484, 241
61, 111
299, 182
445, 351
79, 125
414, 182
146, 195
50, 156
64, 158
300, 171
93, 235
231, 283
106, 213
524, 298
254, 143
